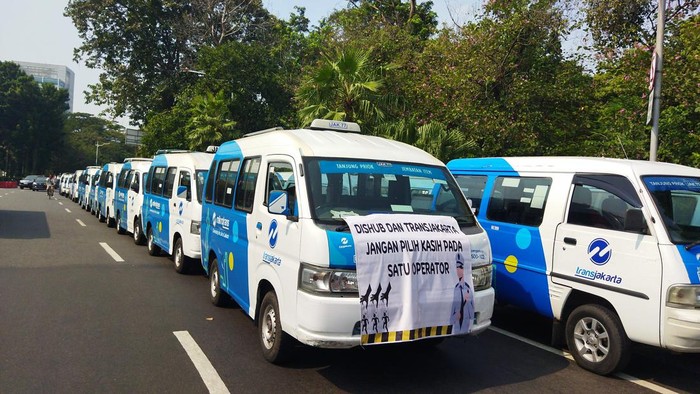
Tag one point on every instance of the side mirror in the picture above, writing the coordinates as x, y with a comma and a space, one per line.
278, 202
634, 221
134, 187
182, 191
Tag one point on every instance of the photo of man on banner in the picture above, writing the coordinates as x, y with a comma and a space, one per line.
463, 305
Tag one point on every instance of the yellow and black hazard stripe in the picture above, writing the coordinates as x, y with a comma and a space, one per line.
406, 335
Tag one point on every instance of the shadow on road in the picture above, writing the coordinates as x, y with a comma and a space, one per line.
23, 225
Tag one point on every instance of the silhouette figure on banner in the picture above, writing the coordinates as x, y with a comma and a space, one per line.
462, 305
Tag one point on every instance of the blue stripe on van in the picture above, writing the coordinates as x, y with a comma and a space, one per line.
341, 250
691, 263
523, 282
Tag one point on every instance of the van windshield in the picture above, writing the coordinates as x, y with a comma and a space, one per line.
678, 201
342, 187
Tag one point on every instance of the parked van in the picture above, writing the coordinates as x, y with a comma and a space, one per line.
93, 192
172, 206
277, 238
75, 186
129, 197
106, 193
87, 190
609, 248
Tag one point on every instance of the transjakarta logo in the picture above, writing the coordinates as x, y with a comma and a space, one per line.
598, 276
180, 208
599, 251
121, 195
272, 234
220, 221
154, 204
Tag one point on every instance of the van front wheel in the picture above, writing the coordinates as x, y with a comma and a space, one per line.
120, 229
182, 262
139, 239
216, 296
597, 340
275, 343
153, 249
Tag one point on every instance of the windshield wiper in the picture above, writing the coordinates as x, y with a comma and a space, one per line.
343, 228
692, 245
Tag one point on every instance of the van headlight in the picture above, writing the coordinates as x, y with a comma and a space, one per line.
327, 281
482, 277
195, 227
683, 296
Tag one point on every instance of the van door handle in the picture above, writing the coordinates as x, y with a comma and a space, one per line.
570, 241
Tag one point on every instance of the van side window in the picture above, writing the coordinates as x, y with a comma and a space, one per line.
280, 176
123, 177
602, 201
110, 180
169, 182
209, 189
184, 180
472, 187
225, 182
158, 181
245, 189
134, 182
519, 200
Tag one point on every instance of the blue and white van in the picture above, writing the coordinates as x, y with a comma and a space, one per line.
90, 185
73, 193
172, 206
106, 193
128, 198
276, 235
608, 248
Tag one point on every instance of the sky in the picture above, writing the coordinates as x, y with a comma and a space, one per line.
36, 31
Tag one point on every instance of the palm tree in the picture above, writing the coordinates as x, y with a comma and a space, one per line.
344, 87
432, 137
208, 120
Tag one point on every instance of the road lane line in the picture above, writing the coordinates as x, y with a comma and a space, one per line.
80, 222
60, 203
67, 210
567, 355
209, 375
111, 252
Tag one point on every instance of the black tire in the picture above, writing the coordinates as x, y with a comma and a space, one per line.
110, 221
153, 249
217, 297
182, 263
597, 340
276, 345
139, 239
100, 218
118, 222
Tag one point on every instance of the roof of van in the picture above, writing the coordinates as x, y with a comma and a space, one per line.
570, 164
326, 143
197, 160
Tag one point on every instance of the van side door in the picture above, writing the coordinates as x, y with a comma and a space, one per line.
605, 248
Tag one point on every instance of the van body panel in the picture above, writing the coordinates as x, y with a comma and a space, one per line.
632, 270
168, 215
255, 247
128, 202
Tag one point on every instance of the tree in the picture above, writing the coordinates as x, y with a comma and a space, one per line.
207, 123
343, 87
433, 138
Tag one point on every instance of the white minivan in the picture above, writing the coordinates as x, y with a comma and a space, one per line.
608, 248
128, 198
339, 239
172, 206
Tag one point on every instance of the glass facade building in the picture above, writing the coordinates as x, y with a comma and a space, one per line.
59, 76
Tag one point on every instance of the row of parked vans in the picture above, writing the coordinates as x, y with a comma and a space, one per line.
284, 223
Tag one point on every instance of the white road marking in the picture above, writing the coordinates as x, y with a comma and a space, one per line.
60, 203
111, 252
67, 210
567, 355
209, 375
80, 222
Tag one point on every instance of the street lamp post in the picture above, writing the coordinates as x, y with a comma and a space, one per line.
97, 149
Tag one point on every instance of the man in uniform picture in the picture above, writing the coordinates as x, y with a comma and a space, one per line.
462, 305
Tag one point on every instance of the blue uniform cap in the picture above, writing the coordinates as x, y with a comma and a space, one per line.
460, 261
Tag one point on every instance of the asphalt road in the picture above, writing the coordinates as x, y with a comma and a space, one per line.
75, 319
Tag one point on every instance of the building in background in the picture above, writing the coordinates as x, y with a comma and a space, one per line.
59, 76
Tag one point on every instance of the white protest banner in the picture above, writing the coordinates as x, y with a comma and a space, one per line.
414, 276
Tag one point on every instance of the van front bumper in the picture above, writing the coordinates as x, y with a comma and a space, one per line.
334, 322
682, 330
